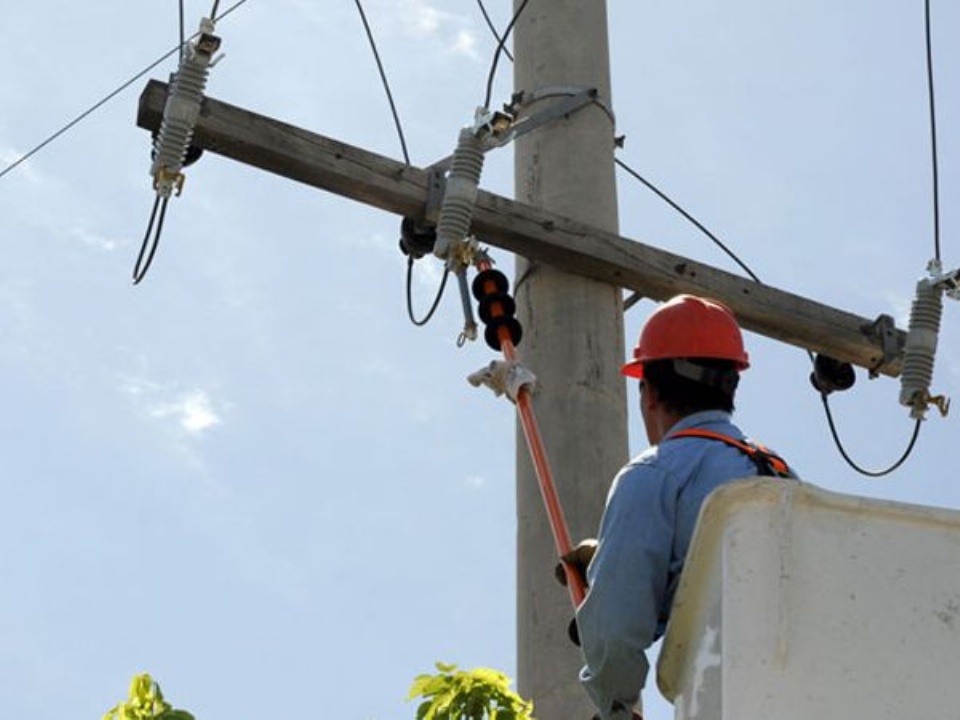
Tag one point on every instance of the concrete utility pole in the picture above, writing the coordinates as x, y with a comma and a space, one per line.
573, 334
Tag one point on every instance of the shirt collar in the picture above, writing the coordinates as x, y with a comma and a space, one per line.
699, 419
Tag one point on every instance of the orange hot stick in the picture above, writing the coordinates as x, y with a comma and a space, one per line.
548, 490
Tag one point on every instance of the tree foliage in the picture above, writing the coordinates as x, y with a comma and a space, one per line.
468, 695
145, 702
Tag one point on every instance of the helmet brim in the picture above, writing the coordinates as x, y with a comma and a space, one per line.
633, 369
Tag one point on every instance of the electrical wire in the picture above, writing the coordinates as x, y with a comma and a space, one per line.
933, 133
151, 239
663, 196
86, 113
436, 301
383, 79
936, 250
733, 256
493, 28
850, 462
823, 396
183, 31
100, 103
406, 156
500, 48
148, 249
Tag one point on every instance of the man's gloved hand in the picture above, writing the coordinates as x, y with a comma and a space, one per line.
578, 559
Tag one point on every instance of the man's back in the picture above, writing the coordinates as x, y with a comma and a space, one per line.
645, 533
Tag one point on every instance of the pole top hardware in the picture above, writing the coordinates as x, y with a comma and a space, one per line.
948, 283
883, 330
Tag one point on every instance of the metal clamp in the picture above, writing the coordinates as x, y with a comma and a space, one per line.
577, 98
948, 283
504, 377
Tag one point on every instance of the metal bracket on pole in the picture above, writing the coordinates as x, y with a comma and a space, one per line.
884, 331
573, 99
495, 132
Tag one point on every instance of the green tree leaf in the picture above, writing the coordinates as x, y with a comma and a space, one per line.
479, 694
145, 702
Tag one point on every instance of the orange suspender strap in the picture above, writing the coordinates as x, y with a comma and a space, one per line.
768, 462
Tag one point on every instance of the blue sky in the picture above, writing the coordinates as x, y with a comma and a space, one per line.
251, 475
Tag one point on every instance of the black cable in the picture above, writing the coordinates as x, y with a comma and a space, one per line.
96, 106
151, 241
406, 157
386, 84
436, 300
493, 28
936, 250
755, 278
500, 49
183, 32
689, 217
213, 11
850, 462
933, 134
226, 12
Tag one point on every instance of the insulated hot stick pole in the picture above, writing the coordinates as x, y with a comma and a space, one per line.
503, 332
497, 311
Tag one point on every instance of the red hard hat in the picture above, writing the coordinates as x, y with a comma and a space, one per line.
687, 326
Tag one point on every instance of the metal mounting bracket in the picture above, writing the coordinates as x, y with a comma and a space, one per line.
573, 99
884, 331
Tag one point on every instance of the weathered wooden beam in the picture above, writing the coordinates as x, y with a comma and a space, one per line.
390, 185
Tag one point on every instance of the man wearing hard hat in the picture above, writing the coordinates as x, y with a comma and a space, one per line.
688, 360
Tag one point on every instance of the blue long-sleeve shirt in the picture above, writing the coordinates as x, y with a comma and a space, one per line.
645, 532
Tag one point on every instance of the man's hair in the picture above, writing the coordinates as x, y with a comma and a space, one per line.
683, 395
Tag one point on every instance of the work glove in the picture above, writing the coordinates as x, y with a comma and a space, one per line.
578, 558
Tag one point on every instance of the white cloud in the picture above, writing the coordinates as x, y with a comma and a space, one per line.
193, 412
92, 239
466, 44
9, 156
422, 18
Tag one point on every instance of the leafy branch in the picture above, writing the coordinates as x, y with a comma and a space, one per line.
145, 702
468, 695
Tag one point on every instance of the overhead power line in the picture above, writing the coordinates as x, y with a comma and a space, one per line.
696, 223
386, 83
100, 103
493, 28
500, 48
933, 131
